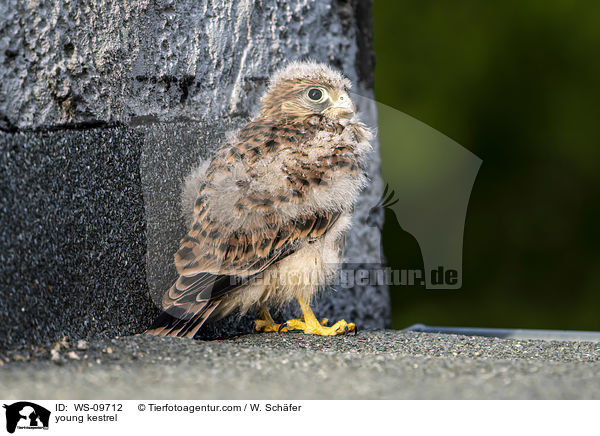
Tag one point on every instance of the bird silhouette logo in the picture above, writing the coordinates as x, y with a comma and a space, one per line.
403, 250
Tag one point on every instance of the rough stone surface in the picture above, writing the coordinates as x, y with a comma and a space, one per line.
72, 235
105, 108
84, 61
371, 365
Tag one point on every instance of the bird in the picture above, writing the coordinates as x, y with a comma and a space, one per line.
267, 216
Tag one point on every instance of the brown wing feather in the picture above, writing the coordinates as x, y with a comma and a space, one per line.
220, 270
194, 297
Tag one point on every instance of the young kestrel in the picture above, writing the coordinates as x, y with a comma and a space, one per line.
267, 216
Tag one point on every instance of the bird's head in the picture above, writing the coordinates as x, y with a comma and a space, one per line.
302, 89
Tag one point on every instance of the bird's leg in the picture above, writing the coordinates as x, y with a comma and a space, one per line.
266, 323
311, 326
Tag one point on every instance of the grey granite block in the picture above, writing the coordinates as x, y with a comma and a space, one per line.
72, 244
86, 61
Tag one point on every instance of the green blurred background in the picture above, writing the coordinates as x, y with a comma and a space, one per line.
518, 84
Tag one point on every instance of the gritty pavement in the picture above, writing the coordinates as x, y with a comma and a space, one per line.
371, 365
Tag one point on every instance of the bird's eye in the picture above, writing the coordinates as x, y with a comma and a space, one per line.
315, 94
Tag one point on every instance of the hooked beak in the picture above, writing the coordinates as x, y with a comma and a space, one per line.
343, 108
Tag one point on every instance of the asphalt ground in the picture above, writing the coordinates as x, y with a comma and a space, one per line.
383, 364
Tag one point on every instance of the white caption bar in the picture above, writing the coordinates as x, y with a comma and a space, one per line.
150, 417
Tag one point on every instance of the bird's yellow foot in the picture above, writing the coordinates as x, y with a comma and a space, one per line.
266, 323
261, 325
314, 327
309, 324
318, 328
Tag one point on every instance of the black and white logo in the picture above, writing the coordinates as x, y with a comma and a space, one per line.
26, 415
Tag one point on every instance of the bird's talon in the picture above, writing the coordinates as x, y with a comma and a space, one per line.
266, 325
282, 326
